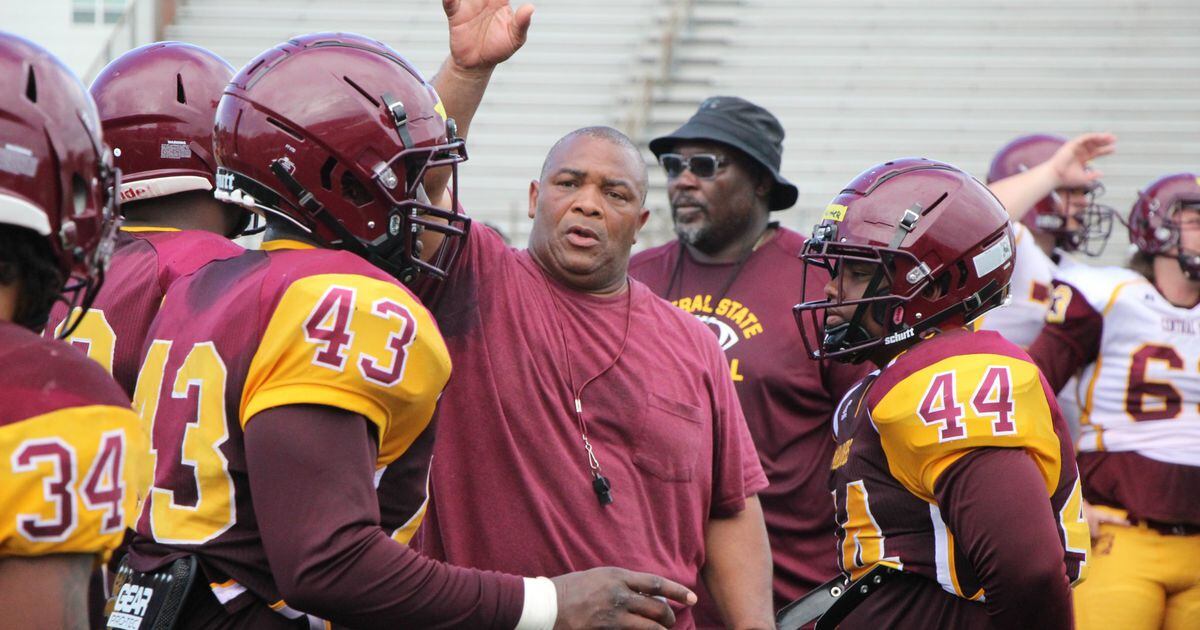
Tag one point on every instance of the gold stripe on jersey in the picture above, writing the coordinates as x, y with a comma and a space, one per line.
283, 243
916, 451
58, 490
406, 531
347, 341
148, 228
1085, 414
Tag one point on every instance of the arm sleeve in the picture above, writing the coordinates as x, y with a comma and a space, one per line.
310, 470
1071, 337
994, 501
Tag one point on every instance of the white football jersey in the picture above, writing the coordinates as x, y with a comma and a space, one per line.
1142, 393
1022, 318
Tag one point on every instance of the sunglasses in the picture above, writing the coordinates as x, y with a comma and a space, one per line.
702, 165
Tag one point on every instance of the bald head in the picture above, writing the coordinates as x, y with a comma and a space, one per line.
613, 136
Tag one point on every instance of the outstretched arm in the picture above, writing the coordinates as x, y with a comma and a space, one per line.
483, 34
1067, 168
311, 469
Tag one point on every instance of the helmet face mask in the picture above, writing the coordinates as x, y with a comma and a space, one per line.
851, 340
929, 247
84, 281
1085, 229
350, 173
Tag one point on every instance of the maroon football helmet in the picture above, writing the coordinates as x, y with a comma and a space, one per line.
1052, 214
334, 132
56, 176
918, 223
1153, 228
157, 105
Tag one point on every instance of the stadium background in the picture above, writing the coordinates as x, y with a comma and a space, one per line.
854, 82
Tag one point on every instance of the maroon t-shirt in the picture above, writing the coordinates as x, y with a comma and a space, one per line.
510, 485
787, 398
144, 263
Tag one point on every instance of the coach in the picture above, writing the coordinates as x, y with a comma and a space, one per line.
589, 422
739, 272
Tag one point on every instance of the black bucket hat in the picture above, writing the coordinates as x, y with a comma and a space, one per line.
744, 126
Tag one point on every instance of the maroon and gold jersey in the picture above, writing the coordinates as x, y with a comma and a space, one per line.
903, 426
68, 449
287, 326
145, 262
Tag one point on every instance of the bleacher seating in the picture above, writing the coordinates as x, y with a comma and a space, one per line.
576, 70
854, 82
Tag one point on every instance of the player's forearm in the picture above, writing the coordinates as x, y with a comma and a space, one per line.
738, 570
310, 471
994, 501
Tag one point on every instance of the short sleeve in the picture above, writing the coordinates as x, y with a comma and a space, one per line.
360, 344
68, 480
738, 472
1070, 338
938, 414
479, 254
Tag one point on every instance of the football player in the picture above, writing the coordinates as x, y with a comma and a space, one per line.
157, 105
1049, 189
68, 439
953, 467
1046, 185
282, 385
1134, 332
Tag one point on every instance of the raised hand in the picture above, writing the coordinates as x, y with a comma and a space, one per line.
484, 33
1070, 164
608, 597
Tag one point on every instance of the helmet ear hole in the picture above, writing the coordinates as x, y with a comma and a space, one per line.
180, 95
937, 288
79, 194
31, 86
327, 173
962, 274
353, 190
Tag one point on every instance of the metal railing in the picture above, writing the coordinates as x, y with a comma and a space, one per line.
658, 71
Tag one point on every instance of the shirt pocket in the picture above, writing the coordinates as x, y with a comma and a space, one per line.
668, 443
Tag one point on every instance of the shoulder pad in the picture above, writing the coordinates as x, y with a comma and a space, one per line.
1097, 284
939, 411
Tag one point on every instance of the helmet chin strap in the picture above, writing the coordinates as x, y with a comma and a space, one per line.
349, 242
1189, 263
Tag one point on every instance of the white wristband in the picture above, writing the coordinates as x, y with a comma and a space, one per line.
541, 605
